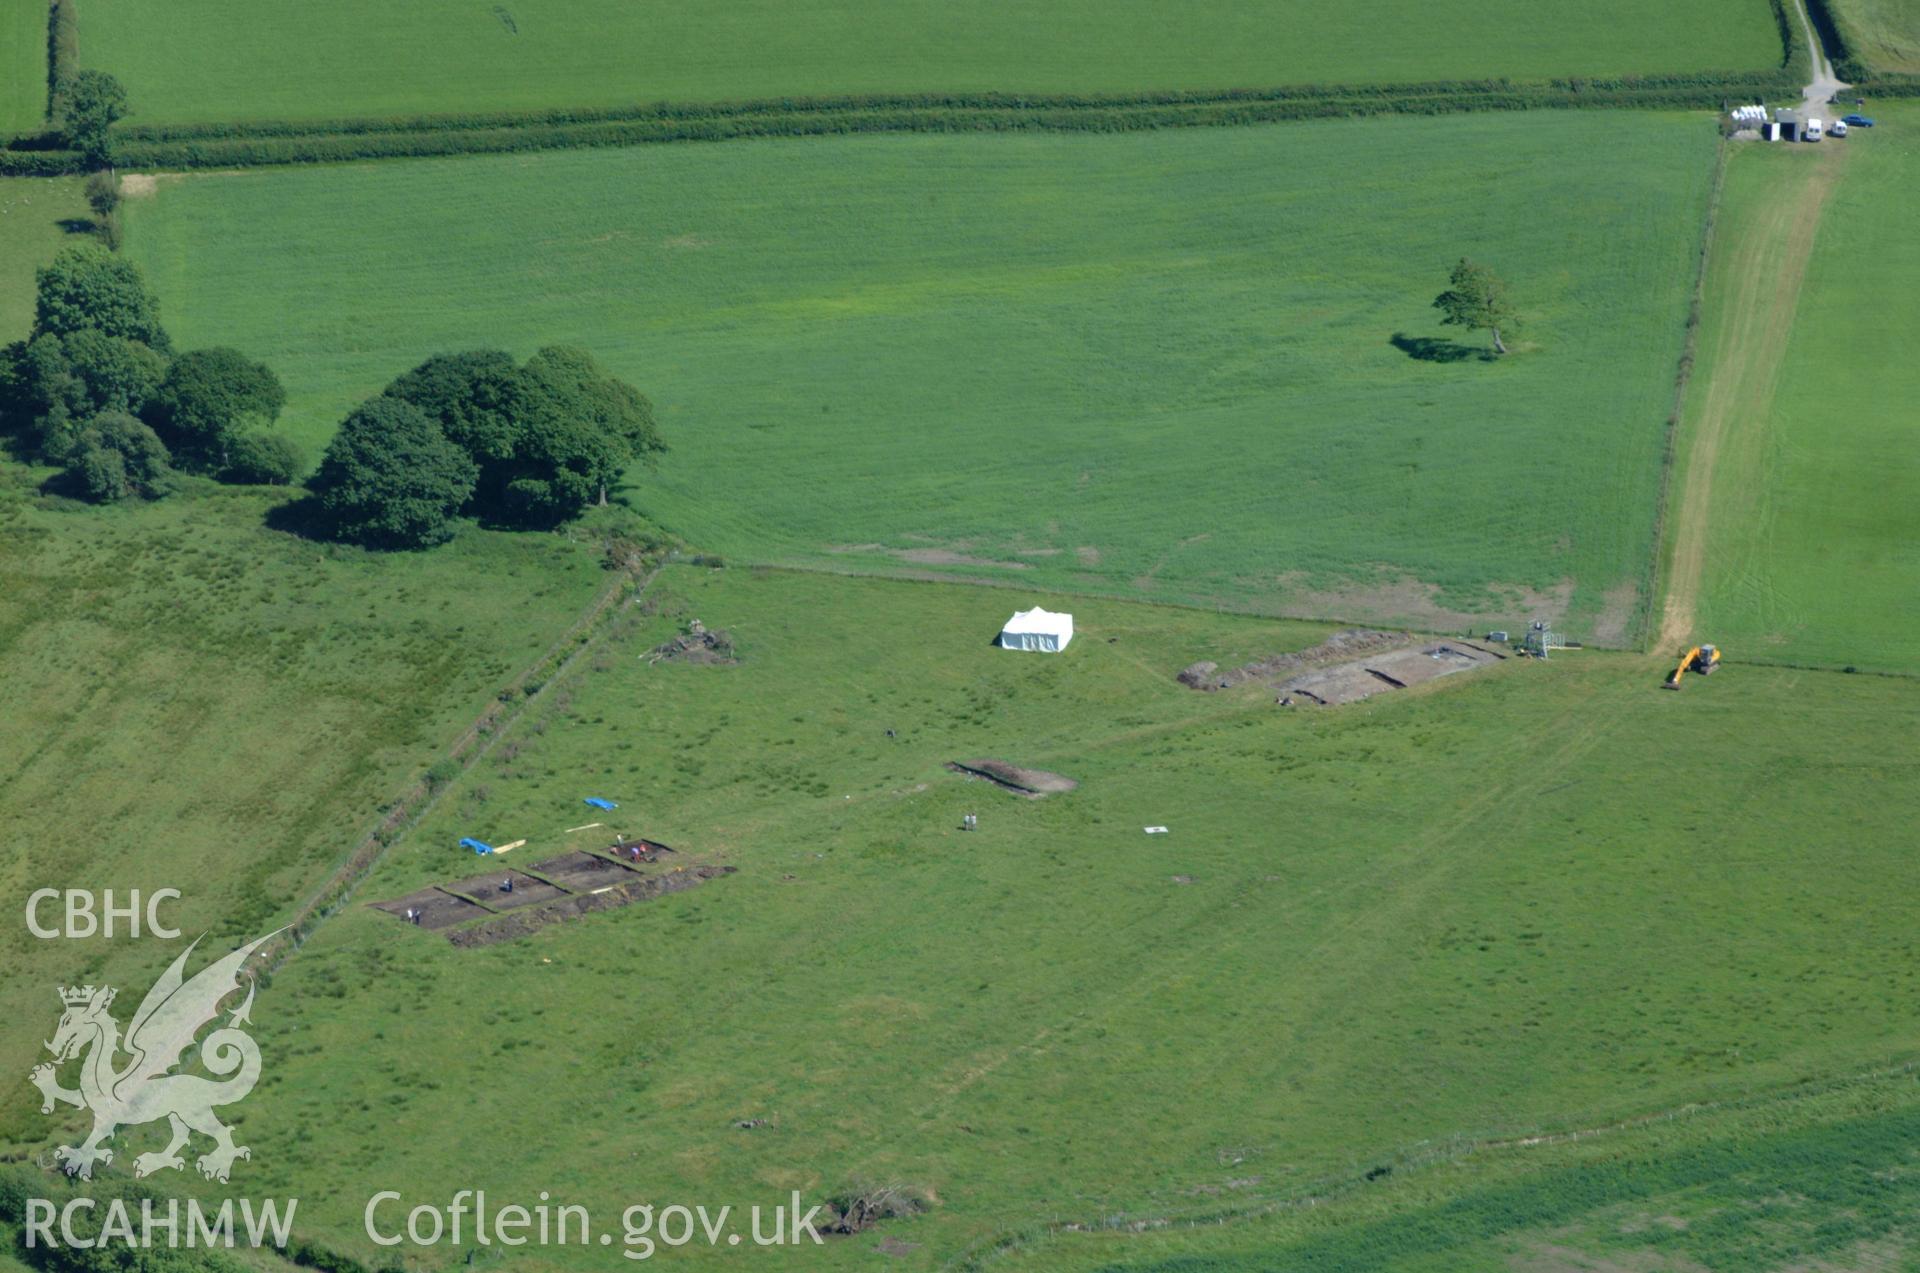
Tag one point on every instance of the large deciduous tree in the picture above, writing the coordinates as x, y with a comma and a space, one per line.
89, 286
1476, 298
92, 102
391, 479
116, 456
209, 398
547, 438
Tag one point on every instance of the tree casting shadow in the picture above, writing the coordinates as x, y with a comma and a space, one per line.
1438, 349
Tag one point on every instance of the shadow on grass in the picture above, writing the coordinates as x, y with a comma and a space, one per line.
79, 225
1438, 349
303, 517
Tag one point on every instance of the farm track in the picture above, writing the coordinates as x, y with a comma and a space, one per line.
1768, 257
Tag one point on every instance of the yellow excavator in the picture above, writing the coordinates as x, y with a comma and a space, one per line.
1701, 658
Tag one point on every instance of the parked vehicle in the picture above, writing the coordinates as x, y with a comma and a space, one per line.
1856, 121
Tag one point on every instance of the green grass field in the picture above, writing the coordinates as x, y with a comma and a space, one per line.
23, 66
1546, 899
1820, 1178
1888, 32
198, 703
1155, 365
38, 217
224, 59
1813, 547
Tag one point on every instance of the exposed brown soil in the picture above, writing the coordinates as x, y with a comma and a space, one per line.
637, 888
1031, 783
486, 889
1356, 679
580, 872
438, 909
1206, 675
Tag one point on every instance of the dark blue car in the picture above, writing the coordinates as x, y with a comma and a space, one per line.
1856, 121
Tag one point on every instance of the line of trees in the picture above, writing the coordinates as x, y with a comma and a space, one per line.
516, 446
98, 390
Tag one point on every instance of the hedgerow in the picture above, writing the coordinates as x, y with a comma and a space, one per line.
1845, 49
238, 145
63, 52
262, 142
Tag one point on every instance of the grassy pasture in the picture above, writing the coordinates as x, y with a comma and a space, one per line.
38, 217
1813, 541
1154, 365
197, 703
1821, 1179
1886, 31
1441, 916
236, 59
23, 66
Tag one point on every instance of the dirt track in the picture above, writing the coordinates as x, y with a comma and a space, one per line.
1766, 254
1826, 84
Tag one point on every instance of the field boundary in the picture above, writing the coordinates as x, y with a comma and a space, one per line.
472, 743
1844, 50
272, 142
1751, 341
1656, 571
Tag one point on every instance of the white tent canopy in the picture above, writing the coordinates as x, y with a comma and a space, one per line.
1037, 629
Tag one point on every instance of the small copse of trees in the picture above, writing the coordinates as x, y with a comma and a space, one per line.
518, 446
97, 389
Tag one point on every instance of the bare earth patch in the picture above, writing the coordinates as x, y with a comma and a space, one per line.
1031, 783
1411, 602
1206, 675
1616, 614
1392, 670
932, 556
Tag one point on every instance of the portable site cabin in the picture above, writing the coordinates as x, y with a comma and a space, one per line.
1799, 125
1037, 629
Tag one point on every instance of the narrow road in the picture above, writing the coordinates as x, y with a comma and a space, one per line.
1825, 84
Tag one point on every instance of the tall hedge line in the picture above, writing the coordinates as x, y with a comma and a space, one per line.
1710, 86
1847, 51
63, 53
285, 142
278, 143
1841, 41
39, 163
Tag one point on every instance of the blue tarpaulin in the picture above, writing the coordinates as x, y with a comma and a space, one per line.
598, 803
468, 842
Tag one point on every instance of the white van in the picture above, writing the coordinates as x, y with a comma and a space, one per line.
1839, 128
1811, 132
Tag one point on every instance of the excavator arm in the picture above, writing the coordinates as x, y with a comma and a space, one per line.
1680, 672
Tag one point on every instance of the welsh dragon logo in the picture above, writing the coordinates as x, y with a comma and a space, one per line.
141, 1090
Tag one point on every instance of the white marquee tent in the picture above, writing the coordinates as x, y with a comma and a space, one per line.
1037, 629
